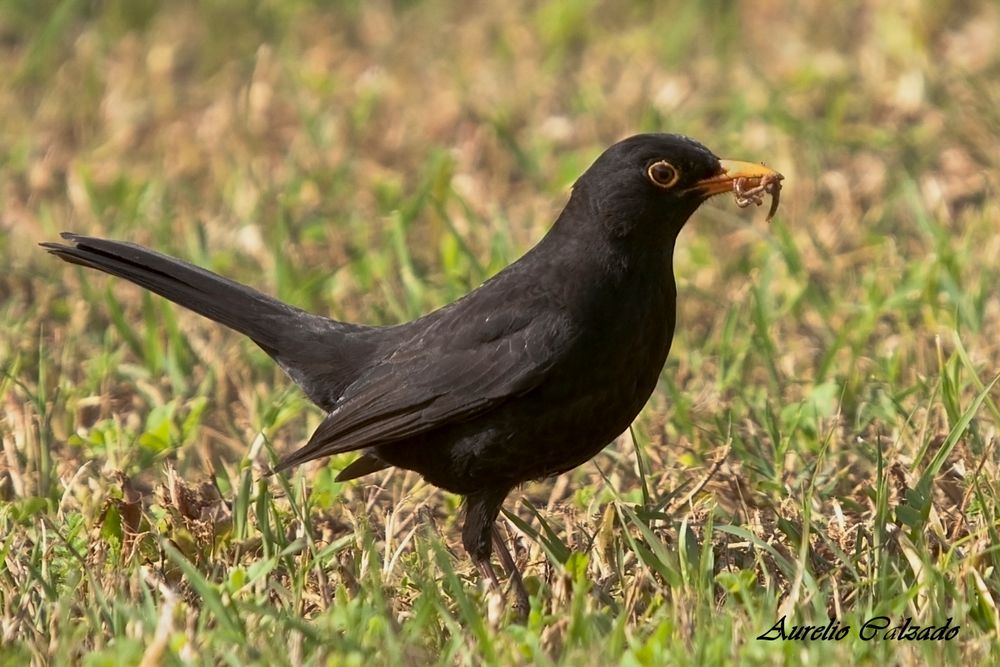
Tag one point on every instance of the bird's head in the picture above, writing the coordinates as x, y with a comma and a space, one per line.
647, 186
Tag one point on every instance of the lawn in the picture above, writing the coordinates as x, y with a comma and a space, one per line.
821, 448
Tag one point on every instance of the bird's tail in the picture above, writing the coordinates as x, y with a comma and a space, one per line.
318, 353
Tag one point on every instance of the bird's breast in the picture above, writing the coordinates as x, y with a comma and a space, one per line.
622, 349
607, 368
599, 389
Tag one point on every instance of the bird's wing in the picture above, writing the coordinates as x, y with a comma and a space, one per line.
449, 371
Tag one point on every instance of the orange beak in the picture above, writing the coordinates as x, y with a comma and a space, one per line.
732, 170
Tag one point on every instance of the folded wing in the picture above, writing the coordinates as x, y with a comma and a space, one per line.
451, 371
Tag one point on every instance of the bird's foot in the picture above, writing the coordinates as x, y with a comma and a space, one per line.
521, 604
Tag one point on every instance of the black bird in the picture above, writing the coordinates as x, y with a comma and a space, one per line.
527, 376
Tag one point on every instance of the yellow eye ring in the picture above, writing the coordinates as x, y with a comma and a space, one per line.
663, 174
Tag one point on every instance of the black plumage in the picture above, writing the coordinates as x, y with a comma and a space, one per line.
527, 376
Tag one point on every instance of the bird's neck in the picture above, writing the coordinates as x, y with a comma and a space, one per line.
596, 273
645, 253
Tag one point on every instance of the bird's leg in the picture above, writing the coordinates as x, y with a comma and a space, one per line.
487, 572
479, 535
521, 603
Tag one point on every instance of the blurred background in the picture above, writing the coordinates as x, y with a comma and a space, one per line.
375, 160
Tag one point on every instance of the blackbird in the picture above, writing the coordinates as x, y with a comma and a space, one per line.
527, 376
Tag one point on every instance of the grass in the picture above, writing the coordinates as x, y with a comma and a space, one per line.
823, 440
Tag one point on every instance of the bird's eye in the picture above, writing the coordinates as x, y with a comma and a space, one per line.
663, 174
